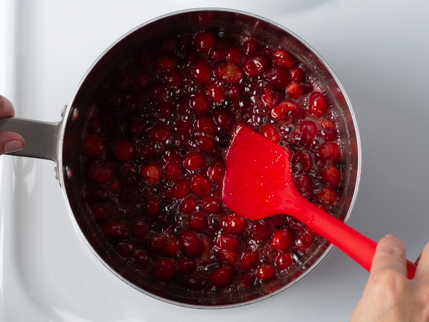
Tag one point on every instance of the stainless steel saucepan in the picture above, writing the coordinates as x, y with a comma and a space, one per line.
61, 142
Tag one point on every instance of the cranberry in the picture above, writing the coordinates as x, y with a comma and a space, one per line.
327, 196
283, 261
259, 230
197, 221
271, 97
265, 272
172, 155
271, 133
190, 244
249, 259
248, 280
234, 91
250, 46
234, 224
181, 188
163, 270
124, 150
141, 259
305, 133
100, 213
317, 104
277, 77
92, 145
151, 172
286, 107
99, 171
204, 143
219, 49
188, 205
329, 130
183, 128
303, 240
199, 103
160, 132
165, 62
186, 266
153, 205
296, 74
157, 243
139, 229
282, 58
328, 152
331, 175
255, 65
172, 171
125, 249
227, 256
304, 160
282, 239
204, 41
235, 54
294, 223
171, 248
222, 276
216, 170
193, 161
200, 185
215, 92
202, 71
211, 205
204, 124
304, 184
224, 118
114, 230
228, 242
294, 90
228, 72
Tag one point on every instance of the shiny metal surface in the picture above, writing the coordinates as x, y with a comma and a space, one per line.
69, 134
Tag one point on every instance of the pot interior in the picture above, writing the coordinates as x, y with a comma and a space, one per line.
146, 35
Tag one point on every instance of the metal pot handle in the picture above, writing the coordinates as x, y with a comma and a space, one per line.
41, 138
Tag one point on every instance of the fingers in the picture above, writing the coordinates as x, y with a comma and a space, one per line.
423, 262
6, 107
390, 255
9, 141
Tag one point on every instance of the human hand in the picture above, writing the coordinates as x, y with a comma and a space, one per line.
9, 141
389, 295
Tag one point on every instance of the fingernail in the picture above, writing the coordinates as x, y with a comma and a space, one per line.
13, 146
391, 236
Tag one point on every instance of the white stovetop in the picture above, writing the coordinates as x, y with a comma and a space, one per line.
378, 49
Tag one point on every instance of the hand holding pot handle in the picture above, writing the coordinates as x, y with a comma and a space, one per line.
27, 138
9, 141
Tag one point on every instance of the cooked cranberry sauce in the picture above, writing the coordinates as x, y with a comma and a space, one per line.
153, 159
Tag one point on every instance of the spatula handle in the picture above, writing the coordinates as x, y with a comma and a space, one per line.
356, 245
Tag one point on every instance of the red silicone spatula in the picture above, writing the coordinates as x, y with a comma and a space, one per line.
258, 183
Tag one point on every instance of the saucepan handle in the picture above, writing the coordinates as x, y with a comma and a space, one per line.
41, 138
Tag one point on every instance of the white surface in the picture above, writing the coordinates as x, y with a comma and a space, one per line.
378, 49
